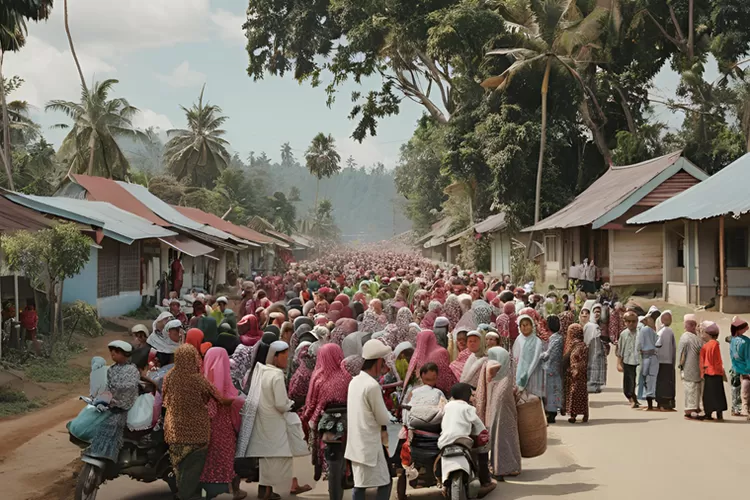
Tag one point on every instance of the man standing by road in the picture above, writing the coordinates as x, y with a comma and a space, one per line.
367, 414
665, 351
688, 355
629, 358
646, 345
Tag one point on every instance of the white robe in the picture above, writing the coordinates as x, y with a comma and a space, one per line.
366, 414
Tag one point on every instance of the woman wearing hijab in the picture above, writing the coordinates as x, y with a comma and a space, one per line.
577, 359
194, 337
476, 360
452, 311
98, 377
265, 420
187, 423
527, 355
218, 471
329, 385
402, 354
458, 351
496, 406
592, 336
304, 362
567, 318
249, 330
400, 331
344, 328
428, 351
552, 359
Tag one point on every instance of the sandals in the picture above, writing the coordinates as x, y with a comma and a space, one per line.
301, 489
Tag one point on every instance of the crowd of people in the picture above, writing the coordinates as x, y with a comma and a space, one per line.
380, 331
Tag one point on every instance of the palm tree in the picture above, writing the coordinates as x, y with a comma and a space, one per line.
551, 32
322, 159
90, 146
198, 153
287, 156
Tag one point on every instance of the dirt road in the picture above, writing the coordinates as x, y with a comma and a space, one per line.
618, 452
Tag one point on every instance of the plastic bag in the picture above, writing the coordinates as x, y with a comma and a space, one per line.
85, 425
296, 435
141, 414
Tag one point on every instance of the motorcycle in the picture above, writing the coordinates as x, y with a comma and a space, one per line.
423, 470
459, 469
333, 436
144, 456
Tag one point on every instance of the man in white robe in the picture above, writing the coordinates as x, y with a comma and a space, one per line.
366, 416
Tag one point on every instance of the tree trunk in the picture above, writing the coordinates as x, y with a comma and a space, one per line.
5, 153
691, 30
72, 49
92, 143
542, 141
59, 310
626, 109
317, 188
597, 134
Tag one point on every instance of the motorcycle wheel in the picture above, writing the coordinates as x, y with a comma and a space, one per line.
87, 485
171, 481
457, 491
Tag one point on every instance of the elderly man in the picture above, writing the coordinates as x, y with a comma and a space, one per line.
688, 354
666, 350
367, 416
175, 307
646, 345
629, 357
218, 311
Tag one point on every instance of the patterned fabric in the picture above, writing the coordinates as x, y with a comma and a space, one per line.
329, 383
576, 396
567, 318
428, 350
615, 325
186, 396
482, 312
370, 322
552, 370
300, 382
540, 324
457, 367
399, 332
240, 364
452, 311
344, 327
353, 364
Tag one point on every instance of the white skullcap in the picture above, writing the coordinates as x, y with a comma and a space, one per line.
121, 344
140, 329
375, 349
165, 315
175, 323
222, 299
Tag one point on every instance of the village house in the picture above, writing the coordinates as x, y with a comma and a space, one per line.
706, 231
594, 225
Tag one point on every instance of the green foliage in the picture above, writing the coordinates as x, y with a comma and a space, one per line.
167, 188
35, 169
49, 256
325, 232
56, 371
143, 312
476, 253
523, 270
13, 17
321, 157
418, 176
14, 402
90, 147
82, 319
198, 153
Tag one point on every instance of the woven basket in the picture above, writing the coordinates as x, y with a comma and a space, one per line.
532, 426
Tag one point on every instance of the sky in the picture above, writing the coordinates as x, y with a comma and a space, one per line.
163, 51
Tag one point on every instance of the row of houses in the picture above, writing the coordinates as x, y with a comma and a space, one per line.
661, 225
136, 239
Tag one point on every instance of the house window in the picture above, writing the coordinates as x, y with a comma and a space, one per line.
735, 243
108, 268
550, 248
681, 252
130, 267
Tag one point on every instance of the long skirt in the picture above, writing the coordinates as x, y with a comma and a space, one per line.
108, 438
277, 473
714, 399
577, 396
502, 423
219, 469
188, 461
693, 395
554, 391
665, 386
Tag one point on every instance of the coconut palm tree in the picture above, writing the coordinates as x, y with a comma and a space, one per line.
551, 33
90, 147
322, 159
198, 153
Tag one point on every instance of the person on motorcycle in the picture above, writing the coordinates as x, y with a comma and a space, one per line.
460, 420
367, 414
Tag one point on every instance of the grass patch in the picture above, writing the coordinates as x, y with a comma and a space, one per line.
13, 402
143, 312
50, 371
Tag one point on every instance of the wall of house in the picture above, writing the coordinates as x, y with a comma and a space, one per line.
637, 257
117, 305
83, 286
500, 249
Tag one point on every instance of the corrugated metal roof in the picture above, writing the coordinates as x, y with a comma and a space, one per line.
102, 189
168, 213
436, 235
211, 219
14, 217
116, 223
187, 246
302, 241
608, 192
724, 193
491, 224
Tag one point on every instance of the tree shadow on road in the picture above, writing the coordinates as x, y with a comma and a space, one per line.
517, 491
534, 475
612, 421
603, 404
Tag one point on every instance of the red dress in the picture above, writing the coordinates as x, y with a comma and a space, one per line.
219, 467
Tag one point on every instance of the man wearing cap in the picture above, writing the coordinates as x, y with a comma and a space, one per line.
646, 345
629, 357
218, 312
688, 356
367, 415
666, 350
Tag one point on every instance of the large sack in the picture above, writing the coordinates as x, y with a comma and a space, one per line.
532, 426
85, 425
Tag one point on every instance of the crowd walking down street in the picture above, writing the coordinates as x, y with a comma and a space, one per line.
340, 373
